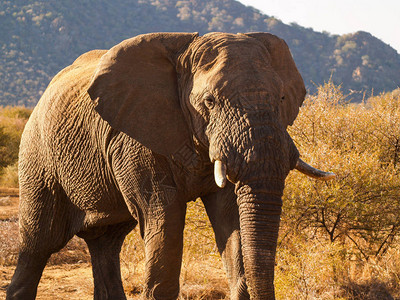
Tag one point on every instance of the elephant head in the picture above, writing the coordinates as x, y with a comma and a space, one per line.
228, 96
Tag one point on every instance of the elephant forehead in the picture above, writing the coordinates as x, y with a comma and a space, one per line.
227, 50
226, 78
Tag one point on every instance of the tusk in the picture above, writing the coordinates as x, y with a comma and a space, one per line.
313, 172
220, 173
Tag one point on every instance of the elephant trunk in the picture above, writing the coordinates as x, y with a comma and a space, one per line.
258, 172
259, 211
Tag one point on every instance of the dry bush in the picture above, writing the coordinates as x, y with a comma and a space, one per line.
338, 238
76, 251
132, 259
203, 275
318, 269
12, 123
308, 269
9, 176
358, 142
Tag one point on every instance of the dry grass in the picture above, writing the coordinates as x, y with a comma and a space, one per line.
8, 226
319, 269
8, 242
68, 273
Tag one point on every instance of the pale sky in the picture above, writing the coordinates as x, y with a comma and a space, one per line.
381, 18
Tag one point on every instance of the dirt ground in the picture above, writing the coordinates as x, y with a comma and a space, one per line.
68, 274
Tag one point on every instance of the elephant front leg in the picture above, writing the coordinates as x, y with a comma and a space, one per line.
222, 211
163, 239
151, 195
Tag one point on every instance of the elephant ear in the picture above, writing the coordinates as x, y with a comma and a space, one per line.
282, 62
135, 90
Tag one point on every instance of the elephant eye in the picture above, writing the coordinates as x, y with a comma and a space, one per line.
209, 102
283, 98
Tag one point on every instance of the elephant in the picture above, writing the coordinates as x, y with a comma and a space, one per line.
128, 136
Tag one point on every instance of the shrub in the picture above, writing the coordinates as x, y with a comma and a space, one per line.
339, 239
12, 123
358, 142
9, 176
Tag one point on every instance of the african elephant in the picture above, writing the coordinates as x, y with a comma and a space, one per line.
128, 136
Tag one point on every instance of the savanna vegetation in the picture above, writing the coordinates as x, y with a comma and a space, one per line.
12, 122
338, 239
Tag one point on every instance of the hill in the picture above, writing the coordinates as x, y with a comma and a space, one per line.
38, 38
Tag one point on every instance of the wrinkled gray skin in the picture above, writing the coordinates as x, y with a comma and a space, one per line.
128, 136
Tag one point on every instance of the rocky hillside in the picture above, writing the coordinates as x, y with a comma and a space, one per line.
38, 38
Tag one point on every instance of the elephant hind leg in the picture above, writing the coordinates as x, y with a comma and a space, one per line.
46, 226
26, 276
104, 251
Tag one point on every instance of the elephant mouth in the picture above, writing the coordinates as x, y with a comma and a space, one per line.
220, 176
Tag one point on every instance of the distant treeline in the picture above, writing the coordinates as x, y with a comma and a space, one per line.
38, 38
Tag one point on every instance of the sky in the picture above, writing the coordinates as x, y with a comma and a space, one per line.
381, 18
